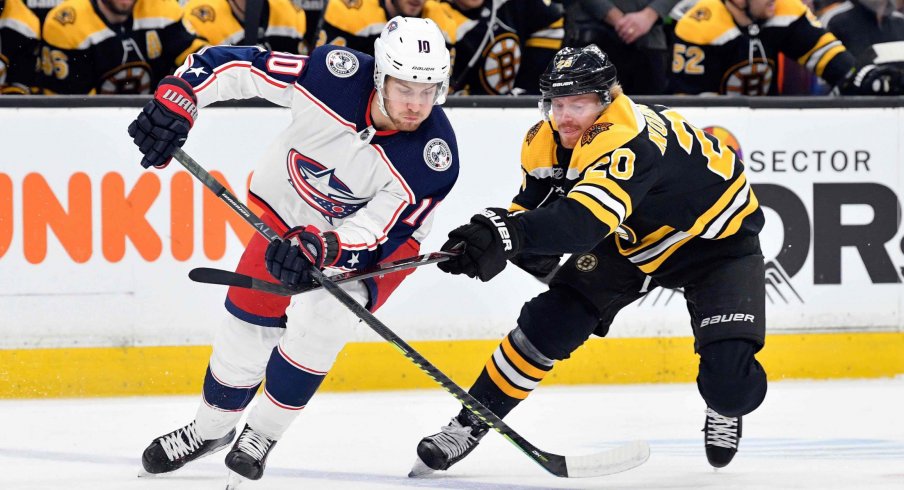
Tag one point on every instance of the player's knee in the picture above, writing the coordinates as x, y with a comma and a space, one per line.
730, 379
557, 322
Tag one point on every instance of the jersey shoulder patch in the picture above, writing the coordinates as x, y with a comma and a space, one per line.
539, 147
73, 25
708, 23
621, 123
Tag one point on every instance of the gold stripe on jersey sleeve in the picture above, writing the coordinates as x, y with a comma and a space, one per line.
822, 41
354, 16
709, 22
720, 205
522, 364
601, 213
71, 25
826, 58
735, 224
609, 185
514, 208
503, 384
542, 42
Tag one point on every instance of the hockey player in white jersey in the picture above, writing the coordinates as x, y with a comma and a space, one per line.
354, 179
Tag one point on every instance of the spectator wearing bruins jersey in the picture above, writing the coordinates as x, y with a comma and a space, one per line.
282, 26
19, 38
501, 46
358, 23
732, 46
113, 46
654, 201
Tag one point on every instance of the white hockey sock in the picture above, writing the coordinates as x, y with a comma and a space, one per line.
271, 419
213, 423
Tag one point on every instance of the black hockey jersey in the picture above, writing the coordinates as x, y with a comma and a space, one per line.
712, 54
644, 174
358, 23
84, 54
282, 27
524, 37
19, 38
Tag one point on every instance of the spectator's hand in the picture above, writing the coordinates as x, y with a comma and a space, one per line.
163, 124
635, 25
491, 238
874, 80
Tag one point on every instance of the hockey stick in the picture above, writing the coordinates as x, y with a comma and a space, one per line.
614, 460
229, 278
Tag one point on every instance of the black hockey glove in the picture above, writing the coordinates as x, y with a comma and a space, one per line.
291, 259
491, 238
538, 266
163, 124
874, 80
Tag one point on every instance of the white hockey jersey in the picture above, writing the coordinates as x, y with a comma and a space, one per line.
330, 167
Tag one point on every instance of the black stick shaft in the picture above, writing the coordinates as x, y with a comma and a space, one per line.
553, 463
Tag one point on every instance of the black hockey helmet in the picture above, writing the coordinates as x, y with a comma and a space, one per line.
575, 71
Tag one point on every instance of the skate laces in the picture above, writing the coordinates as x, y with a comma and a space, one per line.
254, 444
454, 439
181, 442
721, 431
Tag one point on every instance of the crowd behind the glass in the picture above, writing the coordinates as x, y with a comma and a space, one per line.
499, 47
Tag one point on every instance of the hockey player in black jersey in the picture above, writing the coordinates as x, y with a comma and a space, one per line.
642, 199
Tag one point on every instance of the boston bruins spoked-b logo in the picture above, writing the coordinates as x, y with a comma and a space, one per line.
501, 61
586, 263
342, 63
129, 78
438, 155
747, 78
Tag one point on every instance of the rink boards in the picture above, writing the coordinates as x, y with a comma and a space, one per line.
94, 253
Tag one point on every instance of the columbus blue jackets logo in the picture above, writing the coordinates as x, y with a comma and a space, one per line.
342, 63
320, 188
438, 155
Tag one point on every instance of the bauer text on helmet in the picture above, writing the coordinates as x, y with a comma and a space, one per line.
411, 50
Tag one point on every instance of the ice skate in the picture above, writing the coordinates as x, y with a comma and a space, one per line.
172, 451
445, 448
722, 436
248, 457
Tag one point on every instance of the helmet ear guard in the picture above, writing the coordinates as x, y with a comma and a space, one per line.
413, 50
576, 71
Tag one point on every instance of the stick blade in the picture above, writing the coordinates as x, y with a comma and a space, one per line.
615, 460
218, 276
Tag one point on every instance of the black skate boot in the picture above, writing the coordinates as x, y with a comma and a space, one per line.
722, 436
450, 445
248, 457
170, 452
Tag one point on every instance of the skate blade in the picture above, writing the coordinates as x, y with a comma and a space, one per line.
143, 473
233, 480
420, 469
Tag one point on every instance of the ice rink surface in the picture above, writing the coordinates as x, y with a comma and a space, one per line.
834, 434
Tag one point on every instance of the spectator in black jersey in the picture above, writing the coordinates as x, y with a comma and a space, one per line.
732, 47
358, 23
631, 32
642, 199
113, 46
860, 24
20, 34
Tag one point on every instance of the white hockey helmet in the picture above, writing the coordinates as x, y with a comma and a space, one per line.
414, 50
